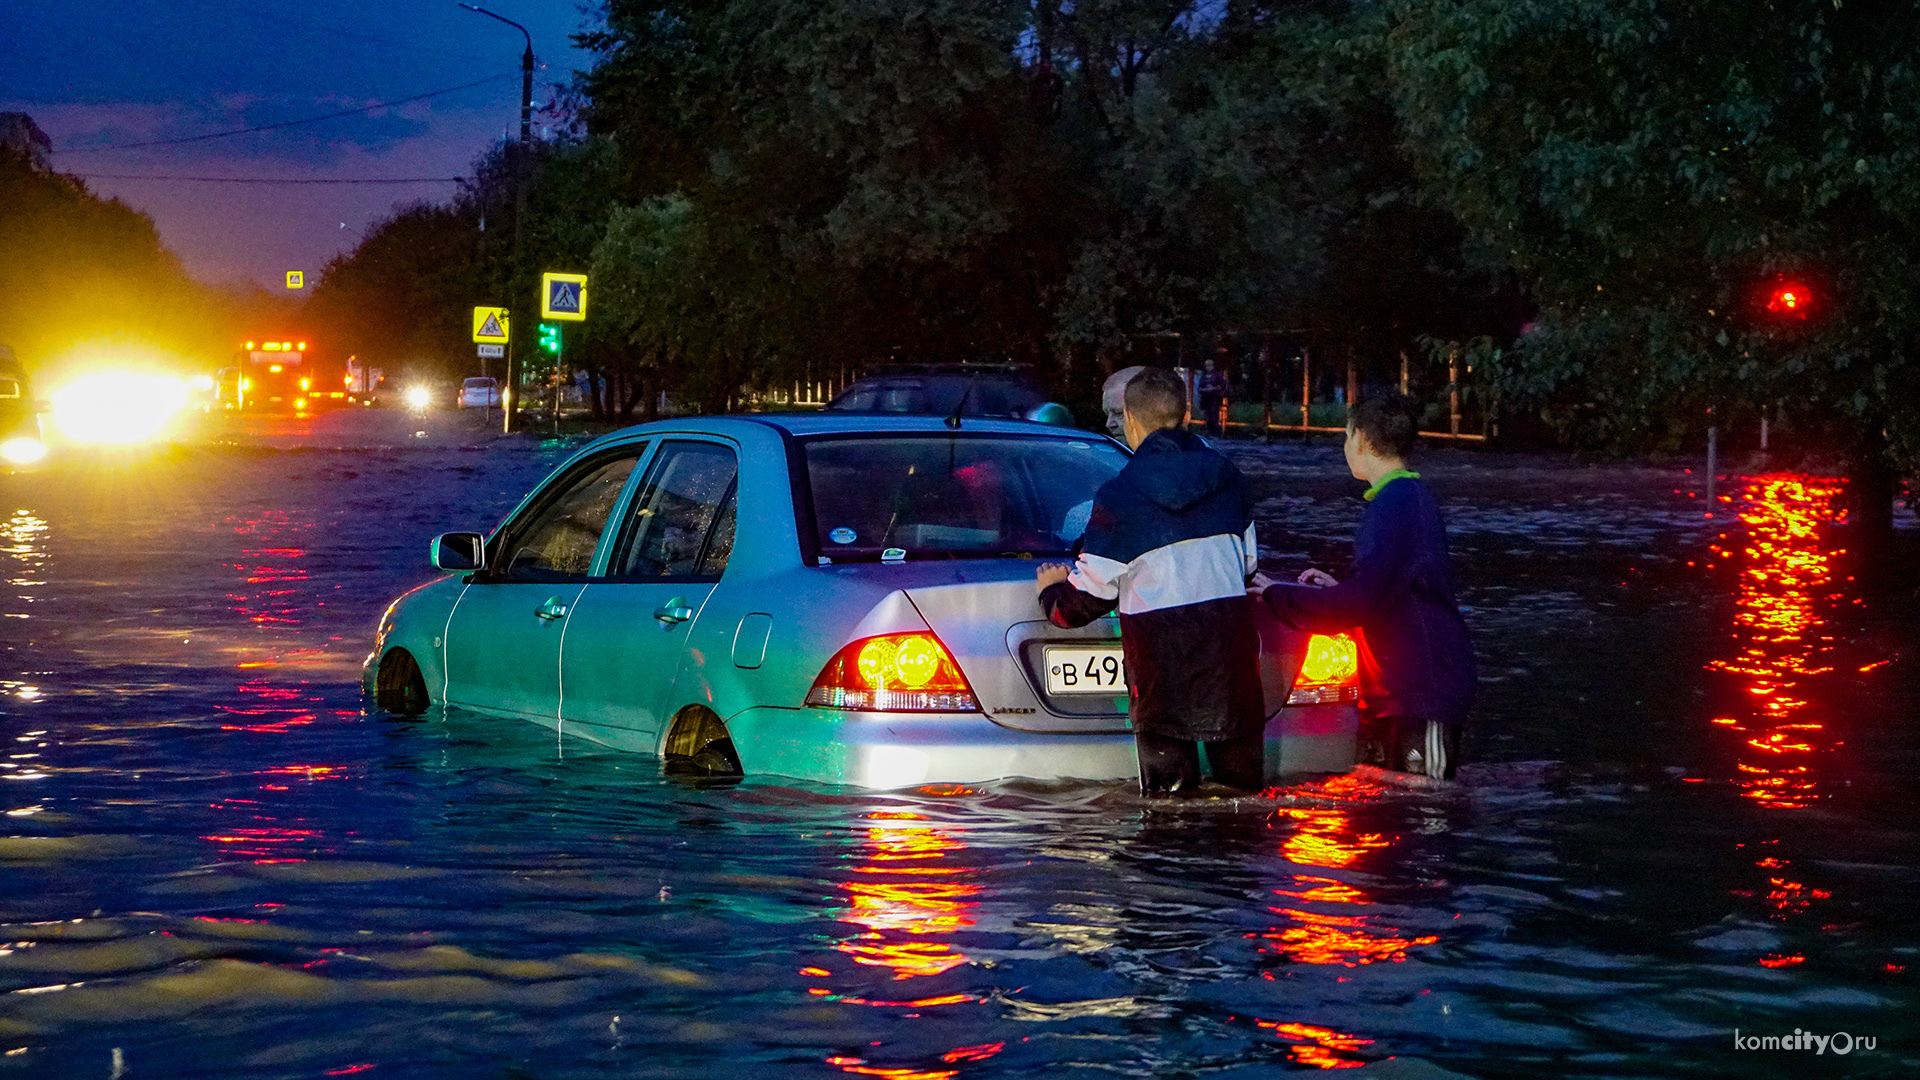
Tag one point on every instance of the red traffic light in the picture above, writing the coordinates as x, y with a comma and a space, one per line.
1790, 298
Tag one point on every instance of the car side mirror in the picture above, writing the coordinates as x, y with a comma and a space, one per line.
460, 552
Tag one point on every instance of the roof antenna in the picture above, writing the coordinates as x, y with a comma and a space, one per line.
954, 420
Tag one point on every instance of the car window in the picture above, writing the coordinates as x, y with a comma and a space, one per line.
954, 495
556, 542
681, 523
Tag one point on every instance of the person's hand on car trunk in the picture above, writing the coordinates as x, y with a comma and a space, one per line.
1051, 574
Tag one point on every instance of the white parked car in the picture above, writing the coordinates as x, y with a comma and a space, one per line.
480, 393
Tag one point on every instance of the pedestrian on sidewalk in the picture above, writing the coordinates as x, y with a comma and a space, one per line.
1170, 543
1212, 388
1416, 664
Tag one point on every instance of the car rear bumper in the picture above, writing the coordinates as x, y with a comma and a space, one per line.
896, 750
1304, 739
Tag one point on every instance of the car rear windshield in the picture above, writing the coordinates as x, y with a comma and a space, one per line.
954, 496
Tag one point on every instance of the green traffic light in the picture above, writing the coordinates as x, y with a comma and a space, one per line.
550, 337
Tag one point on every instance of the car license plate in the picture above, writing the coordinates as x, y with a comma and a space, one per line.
1081, 670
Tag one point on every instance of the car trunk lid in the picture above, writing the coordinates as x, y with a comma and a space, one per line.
993, 625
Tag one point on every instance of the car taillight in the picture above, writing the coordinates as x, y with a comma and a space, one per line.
894, 673
1330, 672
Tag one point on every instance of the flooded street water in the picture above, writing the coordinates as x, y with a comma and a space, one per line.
1691, 811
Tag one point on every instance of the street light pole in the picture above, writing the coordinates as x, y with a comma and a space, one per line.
507, 400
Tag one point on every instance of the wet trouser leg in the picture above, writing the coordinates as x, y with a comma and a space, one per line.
1240, 763
1411, 745
1167, 765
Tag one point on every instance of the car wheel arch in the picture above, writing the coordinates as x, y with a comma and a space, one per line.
399, 685
698, 743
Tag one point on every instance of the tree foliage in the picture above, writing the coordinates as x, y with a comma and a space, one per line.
774, 190
1654, 169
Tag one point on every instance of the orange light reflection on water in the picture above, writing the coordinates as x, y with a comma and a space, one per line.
1782, 645
1330, 923
1321, 1048
907, 896
1785, 580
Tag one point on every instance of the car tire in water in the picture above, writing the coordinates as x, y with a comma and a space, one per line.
399, 688
698, 745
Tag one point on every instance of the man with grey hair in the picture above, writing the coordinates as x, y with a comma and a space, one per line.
1113, 398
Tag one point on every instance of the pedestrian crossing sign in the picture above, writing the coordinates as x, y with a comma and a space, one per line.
296, 279
490, 325
563, 296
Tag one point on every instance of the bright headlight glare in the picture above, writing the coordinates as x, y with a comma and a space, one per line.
22, 450
419, 397
117, 409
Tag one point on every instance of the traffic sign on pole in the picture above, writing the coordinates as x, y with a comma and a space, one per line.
492, 352
563, 296
490, 325
296, 279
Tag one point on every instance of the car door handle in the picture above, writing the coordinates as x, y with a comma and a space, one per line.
674, 611
551, 610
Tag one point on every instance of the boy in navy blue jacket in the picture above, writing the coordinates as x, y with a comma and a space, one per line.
1417, 669
1170, 544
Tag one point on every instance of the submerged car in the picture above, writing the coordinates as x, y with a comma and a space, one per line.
831, 597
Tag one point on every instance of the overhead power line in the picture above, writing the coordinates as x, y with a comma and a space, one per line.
276, 180
285, 123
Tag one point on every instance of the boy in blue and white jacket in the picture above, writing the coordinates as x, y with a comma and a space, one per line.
1170, 543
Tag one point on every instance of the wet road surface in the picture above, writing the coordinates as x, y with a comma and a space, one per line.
1692, 810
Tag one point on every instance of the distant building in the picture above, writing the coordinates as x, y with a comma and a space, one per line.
19, 134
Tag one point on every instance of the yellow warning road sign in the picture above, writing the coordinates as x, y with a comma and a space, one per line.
563, 296
490, 325
296, 279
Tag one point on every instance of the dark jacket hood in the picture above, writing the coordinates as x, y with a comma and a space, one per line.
1175, 469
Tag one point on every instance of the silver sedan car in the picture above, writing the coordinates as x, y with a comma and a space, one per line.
831, 597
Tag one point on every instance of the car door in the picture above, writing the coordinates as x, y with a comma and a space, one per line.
629, 627
503, 639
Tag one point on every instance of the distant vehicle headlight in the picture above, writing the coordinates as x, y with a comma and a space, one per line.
22, 450
118, 409
419, 397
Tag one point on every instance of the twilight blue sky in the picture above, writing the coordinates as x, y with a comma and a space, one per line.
121, 71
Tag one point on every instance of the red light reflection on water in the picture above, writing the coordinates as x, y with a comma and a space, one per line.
907, 895
1330, 923
273, 577
1786, 577
280, 708
1783, 649
1322, 1048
